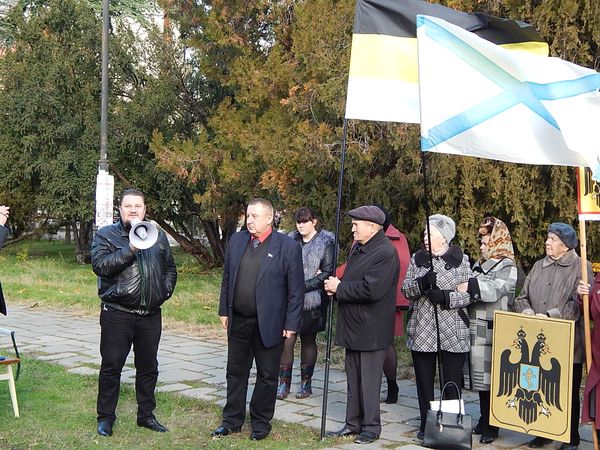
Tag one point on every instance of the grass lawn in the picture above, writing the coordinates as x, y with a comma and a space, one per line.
58, 412
46, 273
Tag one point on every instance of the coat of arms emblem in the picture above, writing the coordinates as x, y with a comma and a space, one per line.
532, 386
532, 374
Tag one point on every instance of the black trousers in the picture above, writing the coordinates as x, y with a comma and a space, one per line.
363, 373
119, 330
425, 365
484, 420
245, 345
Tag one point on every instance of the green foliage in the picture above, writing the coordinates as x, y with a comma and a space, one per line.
279, 131
249, 101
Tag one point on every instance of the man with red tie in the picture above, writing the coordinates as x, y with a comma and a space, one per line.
262, 296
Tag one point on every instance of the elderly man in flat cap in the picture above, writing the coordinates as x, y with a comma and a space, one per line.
366, 298
552, 289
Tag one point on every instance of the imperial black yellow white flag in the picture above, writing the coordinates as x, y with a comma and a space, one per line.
532, 370
383, 81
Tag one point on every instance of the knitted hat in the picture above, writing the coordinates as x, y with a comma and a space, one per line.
565, 232
444, 224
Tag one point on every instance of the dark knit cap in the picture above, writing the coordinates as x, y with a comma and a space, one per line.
565, 232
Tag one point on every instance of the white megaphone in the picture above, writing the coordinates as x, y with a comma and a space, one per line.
143, 234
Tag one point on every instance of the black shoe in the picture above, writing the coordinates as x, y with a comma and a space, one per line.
105, 428
366, 437
538, 442
392, 392
258, 435
420, 435
487, 439
224, 431
478, 429
566, 446
341, 433
152, 424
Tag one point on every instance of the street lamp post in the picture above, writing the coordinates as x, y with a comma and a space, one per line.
105, 183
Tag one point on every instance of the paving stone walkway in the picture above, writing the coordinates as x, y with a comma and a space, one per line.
189, 361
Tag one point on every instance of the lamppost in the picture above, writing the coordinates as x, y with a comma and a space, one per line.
105, 183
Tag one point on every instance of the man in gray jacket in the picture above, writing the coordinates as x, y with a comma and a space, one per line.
550, 290
366, 298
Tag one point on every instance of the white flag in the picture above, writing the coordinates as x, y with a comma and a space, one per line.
478, 99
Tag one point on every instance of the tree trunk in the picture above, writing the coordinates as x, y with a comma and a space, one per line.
211, 228
189, 245
67, 233
83, 240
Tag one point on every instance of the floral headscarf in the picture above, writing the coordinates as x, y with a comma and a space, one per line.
500, 245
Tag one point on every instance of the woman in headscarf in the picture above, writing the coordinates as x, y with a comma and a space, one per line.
496, 276
439, 290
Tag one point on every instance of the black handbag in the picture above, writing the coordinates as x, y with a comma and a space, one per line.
448, 430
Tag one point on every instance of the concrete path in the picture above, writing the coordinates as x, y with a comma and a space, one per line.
187, 360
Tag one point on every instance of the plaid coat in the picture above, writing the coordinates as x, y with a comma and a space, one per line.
452, 269
497, 279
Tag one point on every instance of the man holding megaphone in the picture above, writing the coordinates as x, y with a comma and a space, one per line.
136, 275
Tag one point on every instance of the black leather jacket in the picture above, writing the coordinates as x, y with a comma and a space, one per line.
137, 280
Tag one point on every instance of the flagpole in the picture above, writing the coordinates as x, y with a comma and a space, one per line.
338, 214
586, 312
427, 227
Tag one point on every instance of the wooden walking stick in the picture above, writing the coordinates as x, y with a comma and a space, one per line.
586, 312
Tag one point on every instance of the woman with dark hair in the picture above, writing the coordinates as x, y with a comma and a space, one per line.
317, 260
496, 276
436, 285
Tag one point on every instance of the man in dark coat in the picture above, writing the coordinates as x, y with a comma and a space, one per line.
4, 212
262, 296
366, 298
132, 285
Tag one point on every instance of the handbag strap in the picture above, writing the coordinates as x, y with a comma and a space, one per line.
459, 416
451, 383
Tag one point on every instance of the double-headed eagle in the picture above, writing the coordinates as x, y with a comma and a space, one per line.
530, 378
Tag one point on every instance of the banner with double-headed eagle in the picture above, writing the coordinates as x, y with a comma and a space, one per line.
532, 371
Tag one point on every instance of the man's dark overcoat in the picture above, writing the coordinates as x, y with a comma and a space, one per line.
367, 296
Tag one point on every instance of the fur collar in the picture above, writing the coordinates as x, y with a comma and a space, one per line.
453, 257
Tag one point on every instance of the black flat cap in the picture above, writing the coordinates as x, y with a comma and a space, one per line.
368, 212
